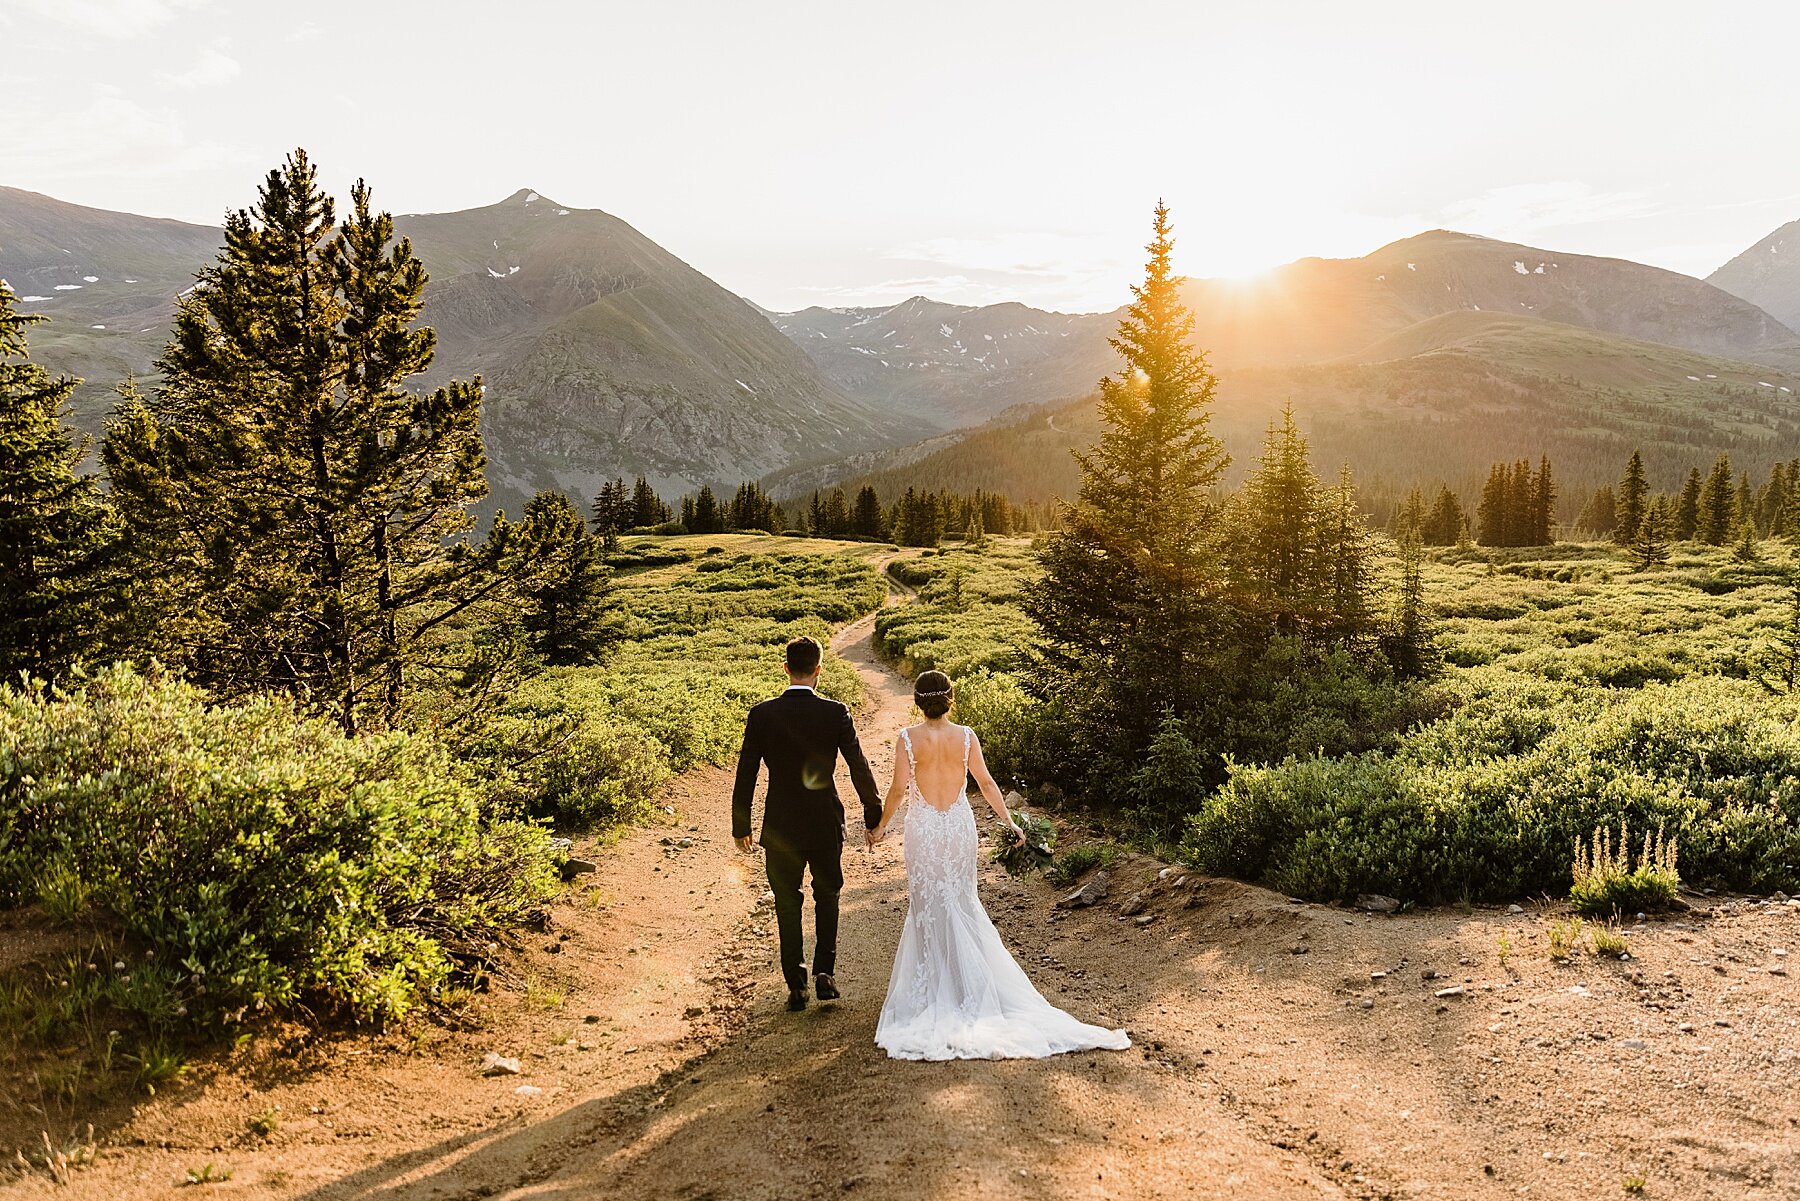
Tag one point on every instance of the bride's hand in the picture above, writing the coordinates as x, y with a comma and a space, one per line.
1018, 835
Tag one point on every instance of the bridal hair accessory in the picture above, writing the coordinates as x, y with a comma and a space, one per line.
939, 692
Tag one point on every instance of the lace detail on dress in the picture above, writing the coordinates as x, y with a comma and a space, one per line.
956, 992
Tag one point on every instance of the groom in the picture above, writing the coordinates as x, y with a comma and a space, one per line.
800, 734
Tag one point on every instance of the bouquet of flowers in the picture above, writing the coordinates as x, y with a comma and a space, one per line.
1032, 855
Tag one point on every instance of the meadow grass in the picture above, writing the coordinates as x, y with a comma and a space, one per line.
1578, 692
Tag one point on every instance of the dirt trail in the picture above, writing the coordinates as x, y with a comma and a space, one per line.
1283, 1051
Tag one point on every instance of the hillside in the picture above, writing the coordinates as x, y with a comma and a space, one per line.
1318, 309
603, 354
1767, 274
957, 365
951, 364
1441, 400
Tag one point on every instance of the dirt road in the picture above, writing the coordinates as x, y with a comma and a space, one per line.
1283, 1050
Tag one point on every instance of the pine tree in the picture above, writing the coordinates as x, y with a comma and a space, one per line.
1412, 648
868, 520
54, 528
1633, 500
613, 512
1277, 529
1600, 514
707, 519
1716, 516
1651, 546
298, 518
1746, 550
1687, 509
647, 508
837, 514
1493, 515
1445, 520
1131, 618
569, 614
689, 518
816, 520
1409, 516
975, 535
1543, 506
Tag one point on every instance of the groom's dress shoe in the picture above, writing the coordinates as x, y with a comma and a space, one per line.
796, 1000
825, 987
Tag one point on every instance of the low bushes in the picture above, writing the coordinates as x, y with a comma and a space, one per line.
257, 857
1489, 802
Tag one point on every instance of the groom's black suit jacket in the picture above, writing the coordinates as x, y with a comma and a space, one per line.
800, 735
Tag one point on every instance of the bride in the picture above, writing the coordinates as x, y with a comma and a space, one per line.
956, 993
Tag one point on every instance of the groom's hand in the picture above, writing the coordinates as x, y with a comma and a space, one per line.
744, 844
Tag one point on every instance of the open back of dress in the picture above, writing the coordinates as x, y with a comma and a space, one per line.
956, 992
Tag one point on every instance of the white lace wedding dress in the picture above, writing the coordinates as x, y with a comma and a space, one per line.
956, 992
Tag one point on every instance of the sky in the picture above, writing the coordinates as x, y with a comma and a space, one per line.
833, 153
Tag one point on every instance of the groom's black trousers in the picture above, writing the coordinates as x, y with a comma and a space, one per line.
786, 864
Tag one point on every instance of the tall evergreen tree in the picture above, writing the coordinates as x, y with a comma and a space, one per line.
298, 516
1277, 529
707, 518
1445, 519
1600, 514
868, 520
837, 513
1493, 515
1686, 522
1543, 506
1633, 500
54, 530
569, 615
1412, 648
613, 511
647, 508
1651, 546
1129, 606
1716, 516
1410, 515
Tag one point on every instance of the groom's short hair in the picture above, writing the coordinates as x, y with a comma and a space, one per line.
803, 656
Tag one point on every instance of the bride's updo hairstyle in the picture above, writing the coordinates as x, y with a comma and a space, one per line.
932, 693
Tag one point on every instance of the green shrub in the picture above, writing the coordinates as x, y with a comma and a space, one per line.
262, 858
1485, 803
1607, 883
1076, 862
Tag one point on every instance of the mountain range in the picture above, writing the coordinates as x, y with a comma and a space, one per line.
602, 353
606, 355
1426, 360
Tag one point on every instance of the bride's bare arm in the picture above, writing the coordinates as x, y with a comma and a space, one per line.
990, 791
895, 793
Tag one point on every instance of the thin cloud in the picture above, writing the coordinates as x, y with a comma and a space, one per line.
111, 18
1521, 209
214, 68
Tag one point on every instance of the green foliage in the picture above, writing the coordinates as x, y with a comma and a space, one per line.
54, 529
1484, 803
1565, 939
1717, 514
1035, 854
1077, 862
701, 638
566, 591
295, 517
1607, 883
1129, 624
1609, 942
261, 857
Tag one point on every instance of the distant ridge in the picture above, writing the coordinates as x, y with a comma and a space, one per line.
1767, 274
603, 354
